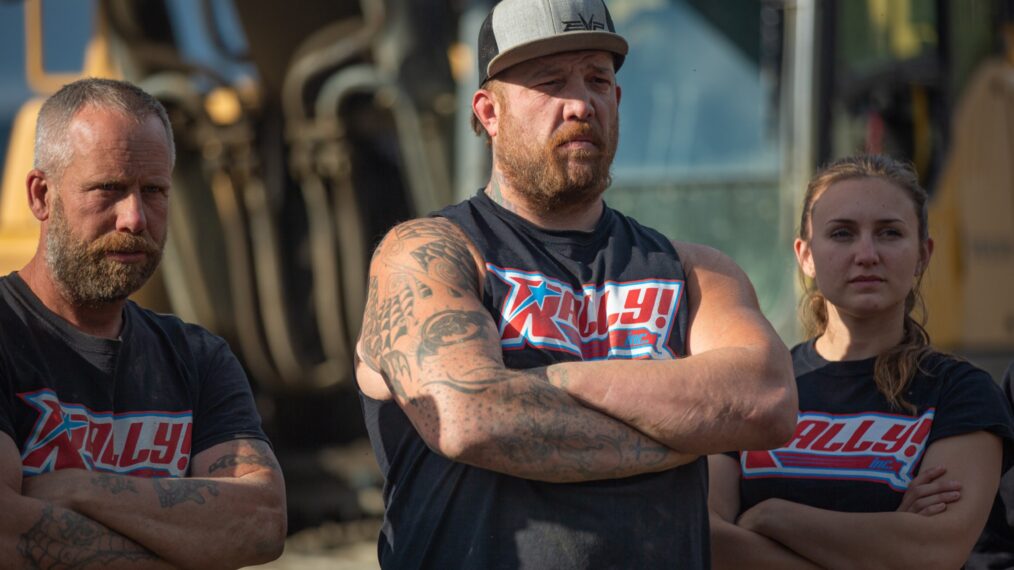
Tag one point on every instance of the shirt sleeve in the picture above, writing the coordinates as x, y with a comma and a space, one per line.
226, 408
6, 403
971, 401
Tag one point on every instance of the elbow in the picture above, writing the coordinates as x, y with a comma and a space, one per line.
779, 424
450, 441
483, 446
270, 527
943, 555
272, 540
777, 406
451, 445
463, 446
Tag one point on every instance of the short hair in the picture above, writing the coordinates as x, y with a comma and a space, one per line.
52, 153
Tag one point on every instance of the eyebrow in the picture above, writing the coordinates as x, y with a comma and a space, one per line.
557, 69
851, 221
544, 71
115, 182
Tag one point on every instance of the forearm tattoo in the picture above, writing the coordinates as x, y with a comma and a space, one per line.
172, 492
535, 425
115, 484
67, 540
550, 430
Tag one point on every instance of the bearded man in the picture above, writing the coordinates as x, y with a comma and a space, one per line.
128, 439
541, 375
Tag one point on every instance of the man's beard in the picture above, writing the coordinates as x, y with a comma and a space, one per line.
83, 271
552, 179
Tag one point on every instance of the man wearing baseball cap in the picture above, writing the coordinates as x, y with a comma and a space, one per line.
541, 375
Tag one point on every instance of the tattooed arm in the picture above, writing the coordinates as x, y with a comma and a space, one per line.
230, 514
428, 342
40, 535
734, 391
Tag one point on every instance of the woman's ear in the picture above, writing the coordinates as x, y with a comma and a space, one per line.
804, 257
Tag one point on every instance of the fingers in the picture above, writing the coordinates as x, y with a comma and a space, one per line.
927, 495
928, 476
934, 504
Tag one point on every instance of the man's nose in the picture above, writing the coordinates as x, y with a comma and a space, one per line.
577, 102
130, 216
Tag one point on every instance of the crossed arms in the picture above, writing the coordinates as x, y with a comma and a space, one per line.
931, 529
232, 515
429, 344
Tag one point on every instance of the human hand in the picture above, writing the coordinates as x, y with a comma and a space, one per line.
927, 495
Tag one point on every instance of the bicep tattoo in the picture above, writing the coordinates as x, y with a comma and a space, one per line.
419, 259
258, 454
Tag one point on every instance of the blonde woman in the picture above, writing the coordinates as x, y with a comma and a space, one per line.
897, 453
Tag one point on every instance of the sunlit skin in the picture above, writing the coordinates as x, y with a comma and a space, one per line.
563, 110
113, 190
865, 253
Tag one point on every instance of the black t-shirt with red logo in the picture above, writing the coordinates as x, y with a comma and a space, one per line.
617, 292
142, 405
851, 450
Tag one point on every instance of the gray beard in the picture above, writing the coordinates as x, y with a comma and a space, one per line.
83, 272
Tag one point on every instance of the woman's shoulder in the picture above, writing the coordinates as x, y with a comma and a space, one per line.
948, 367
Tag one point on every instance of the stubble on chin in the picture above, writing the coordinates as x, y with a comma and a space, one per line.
551, 178
83, 271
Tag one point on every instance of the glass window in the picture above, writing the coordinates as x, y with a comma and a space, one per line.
699, 156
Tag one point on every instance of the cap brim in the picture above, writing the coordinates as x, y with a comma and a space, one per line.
571, 41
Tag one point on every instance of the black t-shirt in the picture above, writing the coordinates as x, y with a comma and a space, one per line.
614, 292
142, 404
851, 451
995, 548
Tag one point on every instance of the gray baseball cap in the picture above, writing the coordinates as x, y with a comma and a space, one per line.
519, 30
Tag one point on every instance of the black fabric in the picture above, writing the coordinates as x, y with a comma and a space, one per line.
851, 451
142, 404
487, 47
441, 514
995, 548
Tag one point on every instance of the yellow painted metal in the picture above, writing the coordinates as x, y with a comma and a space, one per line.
19, 230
